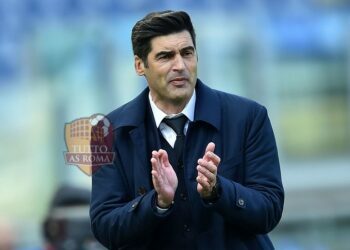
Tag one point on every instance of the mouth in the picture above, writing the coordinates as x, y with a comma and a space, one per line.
179, 81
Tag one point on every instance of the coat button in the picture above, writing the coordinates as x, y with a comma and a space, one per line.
241, 202
141, 190
134, 205
183, 196
180, 164
187, 228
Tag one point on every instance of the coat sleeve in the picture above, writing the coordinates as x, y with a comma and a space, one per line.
256, 204
118, 221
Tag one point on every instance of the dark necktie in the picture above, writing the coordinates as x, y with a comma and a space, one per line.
177, 124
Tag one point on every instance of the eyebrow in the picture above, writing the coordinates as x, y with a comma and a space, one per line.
164, 53
187, 48
171, 53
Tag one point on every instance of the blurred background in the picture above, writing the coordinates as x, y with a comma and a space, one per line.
65, 59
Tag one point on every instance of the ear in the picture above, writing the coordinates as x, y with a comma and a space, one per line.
139, 66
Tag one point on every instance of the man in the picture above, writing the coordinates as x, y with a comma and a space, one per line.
195, 168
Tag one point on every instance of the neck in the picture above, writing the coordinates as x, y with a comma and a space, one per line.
171, 107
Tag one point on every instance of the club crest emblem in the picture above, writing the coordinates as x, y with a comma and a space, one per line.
89, 142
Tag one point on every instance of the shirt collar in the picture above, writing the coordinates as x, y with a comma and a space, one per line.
159, 115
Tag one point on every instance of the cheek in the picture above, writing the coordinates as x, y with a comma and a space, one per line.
163, 70
192, 66
160, 70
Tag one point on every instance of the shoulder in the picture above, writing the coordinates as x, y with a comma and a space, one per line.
239, 104
131, 113
232, 107
242, 112
119, 112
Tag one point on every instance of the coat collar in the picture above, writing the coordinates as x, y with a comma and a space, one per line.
207, 109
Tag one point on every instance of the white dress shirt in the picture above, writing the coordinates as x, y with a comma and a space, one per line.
167, 132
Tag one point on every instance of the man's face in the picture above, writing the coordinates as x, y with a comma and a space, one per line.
172, 69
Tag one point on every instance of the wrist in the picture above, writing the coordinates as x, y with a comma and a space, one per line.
214, 194
163, 204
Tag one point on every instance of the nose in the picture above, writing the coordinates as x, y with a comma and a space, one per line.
179, 63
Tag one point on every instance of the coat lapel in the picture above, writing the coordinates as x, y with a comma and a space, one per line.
131, 119
141, 159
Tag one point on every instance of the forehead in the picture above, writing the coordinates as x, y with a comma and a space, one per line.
174, 41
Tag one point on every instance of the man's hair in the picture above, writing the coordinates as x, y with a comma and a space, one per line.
159, 24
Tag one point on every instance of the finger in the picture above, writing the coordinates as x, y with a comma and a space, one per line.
155, 180
206, 173
202, 176
164, 158
210, 147
155, 155
208, 165
162, 162
213, 157
203, 182
156, 164
154, 174
200, 188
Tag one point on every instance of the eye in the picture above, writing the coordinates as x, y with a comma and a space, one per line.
188, 53
165, 56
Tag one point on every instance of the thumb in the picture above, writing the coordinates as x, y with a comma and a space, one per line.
210, 148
